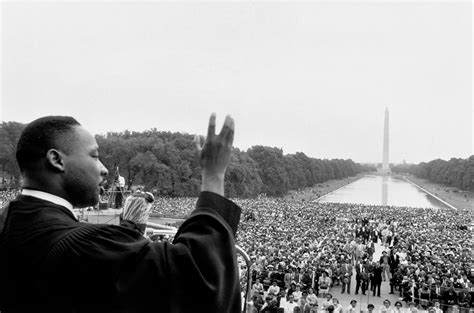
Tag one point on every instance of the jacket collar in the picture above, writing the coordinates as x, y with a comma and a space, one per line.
50, 198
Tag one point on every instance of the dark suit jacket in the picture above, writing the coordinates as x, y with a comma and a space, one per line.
377, 275
348, 270
52, 263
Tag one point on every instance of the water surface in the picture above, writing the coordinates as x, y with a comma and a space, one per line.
383, 190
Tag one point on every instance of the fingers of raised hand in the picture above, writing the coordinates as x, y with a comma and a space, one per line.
211, 130
197, 142
227, 131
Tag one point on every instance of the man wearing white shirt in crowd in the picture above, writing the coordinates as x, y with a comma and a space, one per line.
297, 293
386, 307
274, 289
398, 307
289, 305
257, 287
326, 303
437, 307
337, 306
312, 299
352, 307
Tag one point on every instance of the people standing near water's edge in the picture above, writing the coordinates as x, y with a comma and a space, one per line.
49, 258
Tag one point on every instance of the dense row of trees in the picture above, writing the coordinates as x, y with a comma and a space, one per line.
166, 162
456, 172
9, 134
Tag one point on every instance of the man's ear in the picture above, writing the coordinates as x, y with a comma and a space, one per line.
55, 159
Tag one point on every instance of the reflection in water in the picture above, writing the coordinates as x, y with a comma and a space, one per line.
384, 190
395, 191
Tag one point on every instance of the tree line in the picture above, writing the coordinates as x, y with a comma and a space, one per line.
456, 172
166, 163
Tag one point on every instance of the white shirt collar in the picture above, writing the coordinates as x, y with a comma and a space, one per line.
49, 197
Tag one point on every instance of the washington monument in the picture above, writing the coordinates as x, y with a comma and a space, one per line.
385, 166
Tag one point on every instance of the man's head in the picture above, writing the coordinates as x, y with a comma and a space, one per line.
398, 305
57, 155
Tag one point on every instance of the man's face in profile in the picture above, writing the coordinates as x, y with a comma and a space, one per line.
83, 171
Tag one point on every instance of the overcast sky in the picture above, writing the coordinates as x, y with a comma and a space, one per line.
313, 77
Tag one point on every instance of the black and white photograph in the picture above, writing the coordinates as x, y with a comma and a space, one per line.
236, 156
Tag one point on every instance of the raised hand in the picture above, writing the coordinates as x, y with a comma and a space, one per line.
214, 154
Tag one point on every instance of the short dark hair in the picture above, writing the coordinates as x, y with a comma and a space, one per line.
39, 136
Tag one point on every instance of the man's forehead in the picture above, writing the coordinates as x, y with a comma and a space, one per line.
79, 137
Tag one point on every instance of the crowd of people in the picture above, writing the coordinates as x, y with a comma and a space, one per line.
317, 246
304, 250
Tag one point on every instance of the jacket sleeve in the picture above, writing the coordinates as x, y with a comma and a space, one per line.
197, 273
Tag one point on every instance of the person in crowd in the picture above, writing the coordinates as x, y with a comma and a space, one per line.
370, 308
272, 307
327, 302
297, 294
60, 164
464, 300
289, 305
361, 277
385, 263
274, 289
412, 307
437, 306
268, 299
291, 289
450, 297
257, 301
352, 307
424, 296
257, 288
324, 281
337, 275
346, 269
386, 307
337, 306
311, 308
312, 299
376, 279
287, 278
303, 301
398, 307
435, 292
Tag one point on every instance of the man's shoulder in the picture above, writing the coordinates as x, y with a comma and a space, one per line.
27, 211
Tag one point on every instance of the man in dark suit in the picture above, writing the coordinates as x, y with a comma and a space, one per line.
376, 279
346, 269
49, 259
361, 277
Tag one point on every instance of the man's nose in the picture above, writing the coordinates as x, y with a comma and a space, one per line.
103, 170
